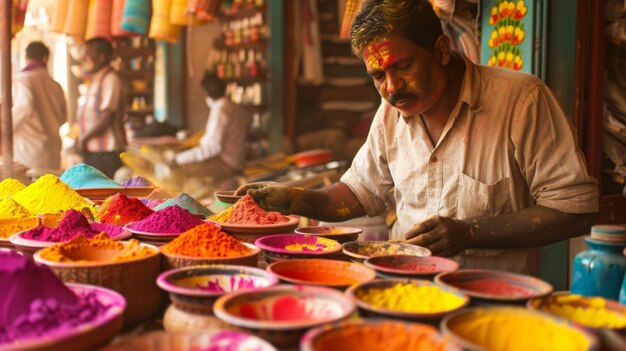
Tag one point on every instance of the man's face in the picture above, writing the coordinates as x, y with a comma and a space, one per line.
406, 75
92, 61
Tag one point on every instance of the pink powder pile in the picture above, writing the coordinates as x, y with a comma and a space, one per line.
247, 211
170, 220
34, 303
71, 226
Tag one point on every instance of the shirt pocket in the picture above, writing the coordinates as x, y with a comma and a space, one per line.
477, 199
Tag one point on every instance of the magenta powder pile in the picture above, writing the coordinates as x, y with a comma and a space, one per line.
73, 225
170, 220
34, 303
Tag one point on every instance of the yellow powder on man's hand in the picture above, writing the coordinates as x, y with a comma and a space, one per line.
50, 195
9, 187
100, 249
9, 227
9, 209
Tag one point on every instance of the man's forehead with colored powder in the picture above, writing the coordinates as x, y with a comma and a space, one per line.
378, 55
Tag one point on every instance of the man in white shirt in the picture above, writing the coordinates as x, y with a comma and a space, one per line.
221, 151
483, 161
39, 110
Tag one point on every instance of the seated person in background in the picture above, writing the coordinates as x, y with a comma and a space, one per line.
221, 151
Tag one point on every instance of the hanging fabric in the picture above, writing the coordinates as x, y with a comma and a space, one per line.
116, 19
205, 9
76, 21
180, 16
160, 27
99, 19
136, 16
312, 69
18, 14
352, 7
59, 16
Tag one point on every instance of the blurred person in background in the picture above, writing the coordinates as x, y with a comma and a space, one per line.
101, 111
39, 110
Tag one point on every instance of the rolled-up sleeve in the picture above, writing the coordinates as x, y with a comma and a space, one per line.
546, 151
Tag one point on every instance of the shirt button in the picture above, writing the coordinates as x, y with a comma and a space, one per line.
433, 159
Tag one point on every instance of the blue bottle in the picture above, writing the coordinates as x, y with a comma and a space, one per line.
600, 270
622, 293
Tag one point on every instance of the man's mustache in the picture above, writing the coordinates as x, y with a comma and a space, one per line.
394, 98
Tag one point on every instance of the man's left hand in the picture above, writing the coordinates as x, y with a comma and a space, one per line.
443, 236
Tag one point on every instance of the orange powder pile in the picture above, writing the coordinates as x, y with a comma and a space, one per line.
9, 227
206, 240
246, 211
99, 249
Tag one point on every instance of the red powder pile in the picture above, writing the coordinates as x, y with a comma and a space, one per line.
495, 287
246, 211
73, 225
120, 209
170, 220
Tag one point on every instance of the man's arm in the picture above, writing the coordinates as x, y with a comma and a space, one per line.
333, 203
531, 227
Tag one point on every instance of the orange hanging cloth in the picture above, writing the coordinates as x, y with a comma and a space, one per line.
116, 19
160, 27
18, 14
59, 16
352, 7
99, 19
76, 21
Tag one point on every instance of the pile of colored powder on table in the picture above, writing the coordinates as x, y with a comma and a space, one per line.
73, 225
187, 202
223, 216
136, 181
111, 230
153, 203
82, 176
206, 240
9, 227
170, 220
392, 336
50, 195
10, 187
412, 298
247, 211
588, 311
120, 209
36, 304
99, 249
304, 243
10, 209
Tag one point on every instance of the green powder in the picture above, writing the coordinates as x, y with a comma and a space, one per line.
187, 202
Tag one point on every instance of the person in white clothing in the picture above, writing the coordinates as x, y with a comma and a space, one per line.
221, 151
39, 110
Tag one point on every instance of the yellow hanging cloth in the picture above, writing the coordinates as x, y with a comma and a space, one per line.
180, 16
59, 16
76, 21
160, 26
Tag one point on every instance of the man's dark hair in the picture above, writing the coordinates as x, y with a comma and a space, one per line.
37, 51
213, 85
415, 20
102, 47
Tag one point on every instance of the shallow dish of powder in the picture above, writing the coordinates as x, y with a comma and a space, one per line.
276, 228
29, 246
103, 193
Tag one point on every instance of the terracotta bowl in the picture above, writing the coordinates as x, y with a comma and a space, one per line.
369, 310
476, 328
312, 157
175, 261
85, 337
135, 279
321, 272
191, 341
281, 314
375, 335
196, 288
359, 251
275, 247
565, 300
406, 266
339, 234
493, 285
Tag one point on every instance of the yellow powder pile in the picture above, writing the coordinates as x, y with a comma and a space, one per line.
9, 209
100, 249
9, 187
9, 227
50, 195
589, 311
223, 216
412, 298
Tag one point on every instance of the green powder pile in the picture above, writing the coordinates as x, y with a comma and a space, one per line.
187, 202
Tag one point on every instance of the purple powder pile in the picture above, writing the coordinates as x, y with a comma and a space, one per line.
34, 303
153, 203
170, 220
136, 181
73, 225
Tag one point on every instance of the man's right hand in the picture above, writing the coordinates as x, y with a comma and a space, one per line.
275, 197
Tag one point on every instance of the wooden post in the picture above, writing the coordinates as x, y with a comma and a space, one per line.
6, 101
